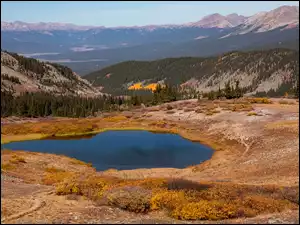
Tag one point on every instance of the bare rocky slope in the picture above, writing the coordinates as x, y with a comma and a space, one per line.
284, 16
20, 74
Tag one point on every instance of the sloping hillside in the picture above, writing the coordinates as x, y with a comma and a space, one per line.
257, 71
20, 74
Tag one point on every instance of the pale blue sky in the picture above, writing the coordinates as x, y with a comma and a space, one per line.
128, 13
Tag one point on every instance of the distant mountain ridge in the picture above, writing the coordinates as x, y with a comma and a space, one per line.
287, 16
23, 26
210, 21
86, 49
217, 20
280, 16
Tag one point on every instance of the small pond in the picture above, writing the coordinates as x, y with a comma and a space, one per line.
123, 150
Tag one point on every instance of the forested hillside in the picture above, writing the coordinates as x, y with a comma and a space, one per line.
257, 71
20, 74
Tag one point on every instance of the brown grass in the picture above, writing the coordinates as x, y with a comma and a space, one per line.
51, 178
17, 159
188, 109
260, 100
198, 111
170, 112
72, 197
211, 112
292, 125
286, 102
54, 170
239, 107
79, 162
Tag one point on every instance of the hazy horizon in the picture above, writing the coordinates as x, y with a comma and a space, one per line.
117, 14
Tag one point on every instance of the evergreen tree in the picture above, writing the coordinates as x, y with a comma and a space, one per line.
228, 91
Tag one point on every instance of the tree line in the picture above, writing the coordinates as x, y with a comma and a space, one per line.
228, 92
41, 104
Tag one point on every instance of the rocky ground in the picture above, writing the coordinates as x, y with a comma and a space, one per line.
257, 149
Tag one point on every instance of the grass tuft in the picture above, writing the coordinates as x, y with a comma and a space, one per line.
252, 114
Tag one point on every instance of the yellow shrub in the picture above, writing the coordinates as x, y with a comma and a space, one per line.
55, 177
135, 86
261, 204
260, 100
151, 86
252, 114
7, 166
78, 162
204, 210
167, 199
91, 187
53, 170
115, 118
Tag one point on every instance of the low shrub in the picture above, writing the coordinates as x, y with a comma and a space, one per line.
183, 199
205, 210
291, 194
72, 197
209, 113
51, 178
7, 166
286, 102
91, 187
169, 107
261, 204
198, 111
17, 159
240, 107
134, 199
283, 102
252, 114
167, 200
170, 112
188, 109
260, 100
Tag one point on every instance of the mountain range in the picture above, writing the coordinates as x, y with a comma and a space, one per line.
87, 48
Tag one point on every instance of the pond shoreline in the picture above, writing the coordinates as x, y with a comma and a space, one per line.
235, 137
122, 149
256, 151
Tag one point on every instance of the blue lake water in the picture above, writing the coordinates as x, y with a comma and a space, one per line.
123, 149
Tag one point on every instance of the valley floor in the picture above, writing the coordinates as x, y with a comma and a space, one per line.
256, 144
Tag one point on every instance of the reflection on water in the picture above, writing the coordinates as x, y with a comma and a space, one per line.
123, 149
77, 137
